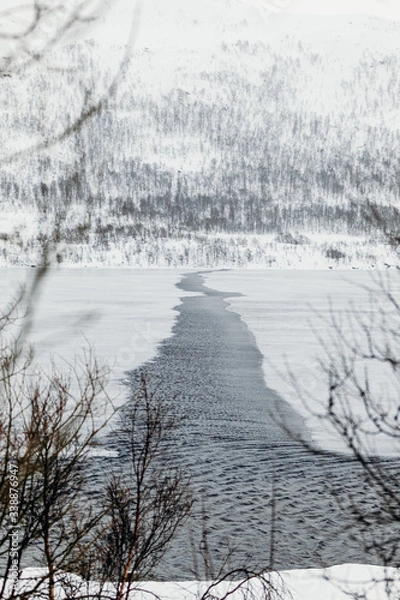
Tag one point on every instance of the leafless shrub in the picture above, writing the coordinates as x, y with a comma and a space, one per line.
48, 425
360, 363
248, 585
146, 503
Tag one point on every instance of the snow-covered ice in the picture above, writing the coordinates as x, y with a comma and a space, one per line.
288, 312
123, 314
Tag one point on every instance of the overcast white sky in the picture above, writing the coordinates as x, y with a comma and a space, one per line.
383, 8
389, 9
116, 21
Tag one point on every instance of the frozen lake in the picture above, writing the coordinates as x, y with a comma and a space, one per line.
240, 460
217, 343
290, 313
124, 314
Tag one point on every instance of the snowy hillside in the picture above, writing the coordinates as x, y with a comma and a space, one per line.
239, 137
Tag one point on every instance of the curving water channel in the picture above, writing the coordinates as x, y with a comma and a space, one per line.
241, 462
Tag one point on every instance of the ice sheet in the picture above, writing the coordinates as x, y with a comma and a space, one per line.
122, 313
283, 309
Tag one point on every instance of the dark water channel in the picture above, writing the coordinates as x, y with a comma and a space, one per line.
237, 454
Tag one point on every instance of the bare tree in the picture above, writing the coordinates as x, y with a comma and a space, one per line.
360, 365
49, 423
363, 371
30, 31
147, 502
249, 585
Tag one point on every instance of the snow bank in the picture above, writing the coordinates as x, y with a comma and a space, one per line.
335, 583
206, 250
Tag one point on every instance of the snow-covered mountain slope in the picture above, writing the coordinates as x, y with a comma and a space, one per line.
231, 120
189, 23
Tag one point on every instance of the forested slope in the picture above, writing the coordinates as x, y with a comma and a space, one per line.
224, 155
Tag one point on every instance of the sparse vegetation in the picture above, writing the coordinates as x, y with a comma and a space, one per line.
49, 423
223, 151
335, 254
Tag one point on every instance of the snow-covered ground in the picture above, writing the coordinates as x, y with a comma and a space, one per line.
336, 583
289, 313
202, 251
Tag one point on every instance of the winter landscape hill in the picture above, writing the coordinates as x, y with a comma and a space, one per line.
237, 137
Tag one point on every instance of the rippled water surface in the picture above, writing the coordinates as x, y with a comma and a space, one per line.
259, 496
240, 459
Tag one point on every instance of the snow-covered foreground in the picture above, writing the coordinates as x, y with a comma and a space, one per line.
121, 313
336, 583
289, 313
